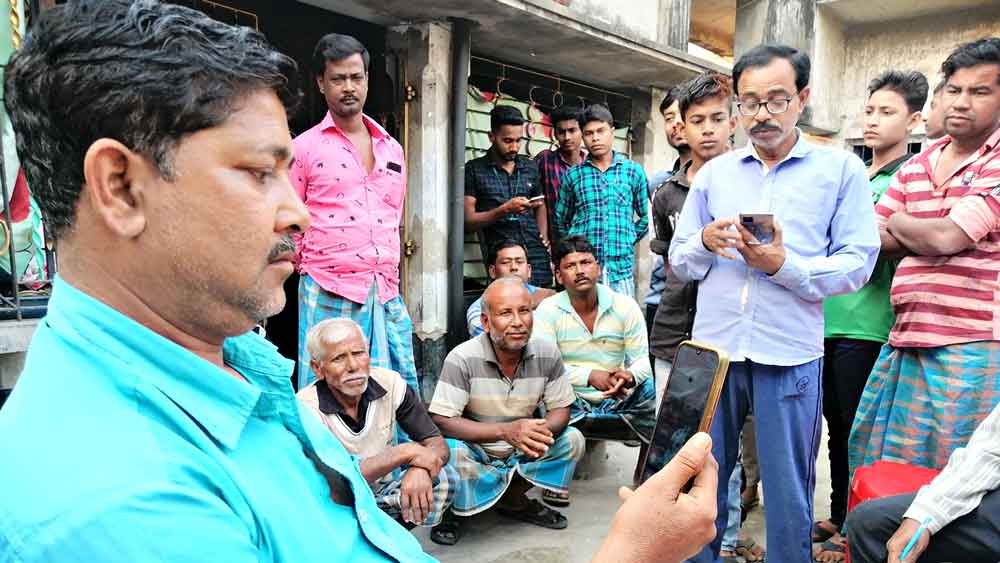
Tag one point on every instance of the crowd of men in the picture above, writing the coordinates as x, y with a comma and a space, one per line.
872, 302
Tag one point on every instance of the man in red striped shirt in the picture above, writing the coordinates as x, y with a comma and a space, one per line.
939, 375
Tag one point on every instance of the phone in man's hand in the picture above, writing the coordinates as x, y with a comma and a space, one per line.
688, 404
760, 225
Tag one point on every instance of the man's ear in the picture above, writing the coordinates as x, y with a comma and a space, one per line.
492, 271
319, 84
114, 177
314, 366
916, 118
804, 95
558, 273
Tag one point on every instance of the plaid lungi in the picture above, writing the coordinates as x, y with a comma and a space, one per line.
387, 328
637, 411
921, 404
484, 479
387, 495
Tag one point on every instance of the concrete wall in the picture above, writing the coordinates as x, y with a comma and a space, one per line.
921, 44
829, 52
632, 18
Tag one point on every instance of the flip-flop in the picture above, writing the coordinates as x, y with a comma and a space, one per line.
831, 547
821, 534
555, 498
448, 531
750, 550
536, 513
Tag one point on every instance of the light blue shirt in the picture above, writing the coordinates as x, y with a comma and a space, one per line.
119, 445
473, 315
657, 281
821, 199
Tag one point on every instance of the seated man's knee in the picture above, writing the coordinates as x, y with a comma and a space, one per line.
577, 443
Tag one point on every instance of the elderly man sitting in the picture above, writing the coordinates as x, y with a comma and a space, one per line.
361, 405
486, 402
601, 336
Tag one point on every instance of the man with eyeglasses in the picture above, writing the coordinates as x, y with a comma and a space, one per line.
761, 300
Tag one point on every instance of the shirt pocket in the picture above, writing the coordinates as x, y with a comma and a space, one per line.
389, 188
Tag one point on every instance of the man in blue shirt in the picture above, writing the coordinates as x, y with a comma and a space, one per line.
149, 423
762, 302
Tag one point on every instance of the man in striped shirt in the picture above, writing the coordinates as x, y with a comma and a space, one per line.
605, 199
939, 375
602, 338
961, 508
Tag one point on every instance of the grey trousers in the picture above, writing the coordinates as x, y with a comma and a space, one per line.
973, 538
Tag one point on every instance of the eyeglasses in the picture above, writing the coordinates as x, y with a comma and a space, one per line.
774, 106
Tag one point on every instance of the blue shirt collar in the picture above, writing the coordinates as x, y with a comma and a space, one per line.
616, 160
801, 148
136, 355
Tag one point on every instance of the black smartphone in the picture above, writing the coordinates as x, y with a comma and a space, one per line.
688, 404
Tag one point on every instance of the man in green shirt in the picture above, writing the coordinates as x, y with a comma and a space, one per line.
857, 324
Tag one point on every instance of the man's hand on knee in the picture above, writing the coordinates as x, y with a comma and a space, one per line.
416, 495
658, 521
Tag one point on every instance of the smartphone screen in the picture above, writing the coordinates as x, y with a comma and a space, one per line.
760, 225
696, 373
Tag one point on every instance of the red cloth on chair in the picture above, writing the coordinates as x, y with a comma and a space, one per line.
886, 479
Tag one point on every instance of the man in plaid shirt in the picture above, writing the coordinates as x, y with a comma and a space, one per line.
605, 198
553, 163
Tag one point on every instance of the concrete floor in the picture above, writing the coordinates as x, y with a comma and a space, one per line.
490, 538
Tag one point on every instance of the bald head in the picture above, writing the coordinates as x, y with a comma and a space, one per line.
506, 314
503, 288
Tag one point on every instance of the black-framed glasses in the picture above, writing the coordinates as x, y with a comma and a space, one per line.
774, 106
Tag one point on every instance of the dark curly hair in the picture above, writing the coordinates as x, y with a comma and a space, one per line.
143, 73
982, 51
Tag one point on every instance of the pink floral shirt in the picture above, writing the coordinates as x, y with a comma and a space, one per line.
354, 239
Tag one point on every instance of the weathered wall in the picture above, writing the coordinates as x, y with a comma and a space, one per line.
828, 56
633, 18
921, 44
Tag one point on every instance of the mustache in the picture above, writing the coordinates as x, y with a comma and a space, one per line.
764, 127
286, 244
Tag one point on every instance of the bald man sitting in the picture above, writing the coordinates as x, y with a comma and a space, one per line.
485, 403
361, 405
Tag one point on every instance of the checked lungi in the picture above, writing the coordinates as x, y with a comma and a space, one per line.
921, 404
387, 495
637, 411
484, 479
387, 327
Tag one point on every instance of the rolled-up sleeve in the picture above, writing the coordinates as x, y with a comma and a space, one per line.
854, 245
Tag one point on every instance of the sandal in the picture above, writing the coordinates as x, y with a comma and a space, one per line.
731, 558
750, 550
555, 498
536, 513
821, 533
448, 531
830, 552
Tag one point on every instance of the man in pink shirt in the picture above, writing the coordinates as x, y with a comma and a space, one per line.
351, 175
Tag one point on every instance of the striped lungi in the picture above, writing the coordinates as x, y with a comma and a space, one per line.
386, 326
388, 495
920, 404
484, 479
